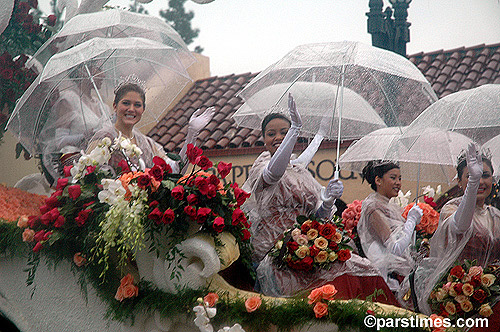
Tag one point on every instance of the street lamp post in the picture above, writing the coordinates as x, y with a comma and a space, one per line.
387, 32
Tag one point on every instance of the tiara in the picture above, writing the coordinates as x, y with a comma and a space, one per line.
130, 79
485, 153
379, 163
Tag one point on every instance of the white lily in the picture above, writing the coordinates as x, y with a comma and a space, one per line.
402, 199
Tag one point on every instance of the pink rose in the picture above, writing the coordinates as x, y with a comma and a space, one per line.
328, 291
320, 309
211, 299
253, 303
28, 235
22, 222
315, 295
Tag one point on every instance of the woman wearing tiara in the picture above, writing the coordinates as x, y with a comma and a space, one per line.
129, 104
281, 190
384, 234
468, 229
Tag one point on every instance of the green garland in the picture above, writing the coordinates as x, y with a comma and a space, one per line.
283, 315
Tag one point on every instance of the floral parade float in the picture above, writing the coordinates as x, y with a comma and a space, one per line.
140, 250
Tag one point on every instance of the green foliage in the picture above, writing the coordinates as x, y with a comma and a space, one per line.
180, 20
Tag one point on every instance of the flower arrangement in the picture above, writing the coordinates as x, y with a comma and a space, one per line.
427, 225
350, 218
312, 243
318, 296
466, 290
17, 202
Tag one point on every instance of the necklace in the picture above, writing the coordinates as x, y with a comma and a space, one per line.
130, 138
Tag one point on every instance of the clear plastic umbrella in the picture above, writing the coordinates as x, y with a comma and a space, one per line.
388, 82
432, 158
492, 149
113, 23
474, 113
359, 116
98, 64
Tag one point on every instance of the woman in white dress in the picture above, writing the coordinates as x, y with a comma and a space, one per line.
281, 189
468, 228
384, 234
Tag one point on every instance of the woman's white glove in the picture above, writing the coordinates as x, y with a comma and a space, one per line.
333, 190
198, 120
279, 161
307, 155
413, 218
463, 216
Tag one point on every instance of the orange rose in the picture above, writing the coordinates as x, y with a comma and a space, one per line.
79, 260
329, 292
316, 295
253, 303
130, 290
320, 309
211, 299
127, 280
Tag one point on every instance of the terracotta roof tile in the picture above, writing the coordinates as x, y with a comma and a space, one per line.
448, 71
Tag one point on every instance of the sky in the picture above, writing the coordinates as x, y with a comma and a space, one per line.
241, 36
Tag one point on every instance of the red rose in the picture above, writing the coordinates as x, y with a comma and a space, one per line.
457, 271
430, 201
74, 191
344, 255
60, 221
202, 214
46, 236
160, 162
51, 20
327, 231
61, 183
44, 209
67, 170
246, 235
458, 288
54, 214
480, 295
315, 224
91, 169
202, 184
218, 224
82, 217
178, 192
46, 218
313, 251
213, 180
224, 169
153, 204
156, 172
52, 201
475, 281
306, 263
124, 167
143, 181
39, 236
240, 195
305, 228
156, 215
33, 221
38, 247
238, 217
212, 191
203, 162
190, 211
292, 246
192, 199
168, 216
193, 152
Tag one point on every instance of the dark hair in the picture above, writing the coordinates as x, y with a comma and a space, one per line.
376, 168
270, 117
462, 163
127, 87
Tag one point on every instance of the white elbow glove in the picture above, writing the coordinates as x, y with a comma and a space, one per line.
462, 218
414, 216
334, 190
307, 155
279, 161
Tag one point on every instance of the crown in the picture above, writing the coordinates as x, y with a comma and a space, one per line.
485, 153
379, 163
130, 79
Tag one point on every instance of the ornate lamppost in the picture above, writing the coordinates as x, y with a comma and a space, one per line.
390, 32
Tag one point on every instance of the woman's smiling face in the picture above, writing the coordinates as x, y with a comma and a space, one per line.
129, 109
274, 133
390, 183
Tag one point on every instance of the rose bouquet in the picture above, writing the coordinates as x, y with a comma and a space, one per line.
312, 243
427, 226
350, 219
466, 290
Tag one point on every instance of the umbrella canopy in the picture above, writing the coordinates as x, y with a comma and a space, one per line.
360, 117
474, 113
113, 23
390, 83
492, 150
432, 158
100, 63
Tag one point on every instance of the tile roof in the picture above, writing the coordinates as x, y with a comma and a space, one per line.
447, 71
